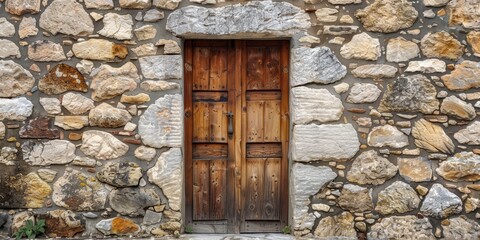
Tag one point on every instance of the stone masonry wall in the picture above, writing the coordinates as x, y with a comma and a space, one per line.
384, 129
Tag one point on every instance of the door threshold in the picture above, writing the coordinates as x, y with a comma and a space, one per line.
244, 236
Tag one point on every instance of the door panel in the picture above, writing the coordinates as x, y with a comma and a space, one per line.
236, 135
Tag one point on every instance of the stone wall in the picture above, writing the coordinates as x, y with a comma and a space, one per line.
384, 130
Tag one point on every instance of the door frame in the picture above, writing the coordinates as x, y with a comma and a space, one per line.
236, 58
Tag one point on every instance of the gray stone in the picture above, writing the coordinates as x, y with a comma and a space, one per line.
402, 227
67, 17
153, 15
145, 153
117, 26
370, 168
338, 30
307, 181
8, 156
20, 7
167, 174
99, 49
399, 197
336, 227
162, 67
417, 169
109, 82
77, 103
427, 66
27, 27
316, 65
133, 201
387, 135
462, 228
14, 79
363, 93
51, 105
266, 19
120, 174
84, 161
162, 123
106, 116
457, 108
15, 109
309, 104
431, 137
440, 203
46, 51
410, 94
469, 135
375, 71
9, 49
47, 153
463, 166
312, 142
387, 16
79, 191
362, 46
400, 50
102, 145
152, 218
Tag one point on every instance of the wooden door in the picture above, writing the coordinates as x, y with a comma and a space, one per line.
236, 135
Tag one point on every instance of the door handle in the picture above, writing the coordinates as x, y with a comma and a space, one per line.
230, 124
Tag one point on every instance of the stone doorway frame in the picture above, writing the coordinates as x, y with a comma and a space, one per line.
295, 25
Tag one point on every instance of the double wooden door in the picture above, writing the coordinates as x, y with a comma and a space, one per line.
236, 135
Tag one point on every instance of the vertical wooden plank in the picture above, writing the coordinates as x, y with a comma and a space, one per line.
187, 94
242, 140
255, 67
271, 195
232, 223
201, 120
255, 128
272, 68
201, 190
201, 69
254, 190
285, 130
271, 121
217, 189
218, 122
218, 68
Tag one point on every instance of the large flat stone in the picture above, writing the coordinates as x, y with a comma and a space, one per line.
463, 166
102, 145
315, 65
47, 153
464, 77
168, 175
431, 137
162, 123
265, 19
109, 82
399, 197
440, 203
469, 135
330, 142
387, 16
67, 17
309, 104
162, 67
307, 181
133, 201
371, 168
402, 227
